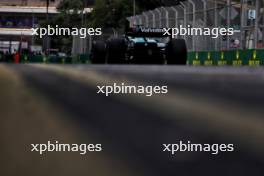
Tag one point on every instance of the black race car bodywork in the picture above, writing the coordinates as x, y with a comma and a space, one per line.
140, 45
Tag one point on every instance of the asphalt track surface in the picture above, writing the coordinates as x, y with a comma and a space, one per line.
214, 105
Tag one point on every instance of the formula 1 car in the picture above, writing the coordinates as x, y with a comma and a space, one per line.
140, 45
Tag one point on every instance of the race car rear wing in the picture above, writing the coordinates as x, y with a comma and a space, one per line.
140, 31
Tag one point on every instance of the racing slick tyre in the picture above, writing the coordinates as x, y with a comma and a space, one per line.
98, 52
176, 52
116, 51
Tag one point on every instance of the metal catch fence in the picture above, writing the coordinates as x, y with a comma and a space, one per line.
246, 17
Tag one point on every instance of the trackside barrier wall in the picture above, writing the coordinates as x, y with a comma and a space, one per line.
36, 59
253, 57
83, 58
44, 59
7, 58
1, 57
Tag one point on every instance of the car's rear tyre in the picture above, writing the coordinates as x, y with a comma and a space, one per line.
176, 52
116, 50
98, 52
